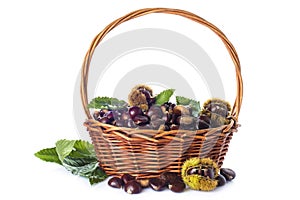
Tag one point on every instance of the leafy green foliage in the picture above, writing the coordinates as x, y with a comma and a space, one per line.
76, 156
97, 176
164, 96
64, 148
48, 155
107, 103
195, 105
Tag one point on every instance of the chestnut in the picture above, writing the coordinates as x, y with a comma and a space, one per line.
174, 127
157, 123
96, 115
169, 177
127, 178
141, 119
104, 120
177, 186
181, 110
115, 182
157, 184
229, 174
143, 182
208, 173
221, 180
184, 120
133, 187
193, 170
155, 112
134, 111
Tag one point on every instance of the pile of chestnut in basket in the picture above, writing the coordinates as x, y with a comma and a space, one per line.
147, 111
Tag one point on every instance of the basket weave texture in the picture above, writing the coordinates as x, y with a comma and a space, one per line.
147, 153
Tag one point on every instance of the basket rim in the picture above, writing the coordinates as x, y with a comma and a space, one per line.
141, 12
153, 135
119, 153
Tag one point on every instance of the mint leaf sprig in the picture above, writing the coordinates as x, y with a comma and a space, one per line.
195, 105
77, 156
107, 103
164, 96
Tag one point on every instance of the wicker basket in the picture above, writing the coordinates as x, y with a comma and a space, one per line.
147, 153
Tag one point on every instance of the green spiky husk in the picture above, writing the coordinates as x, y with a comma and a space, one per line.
217, 120
137, 98
220, 102
197, 182
143, 86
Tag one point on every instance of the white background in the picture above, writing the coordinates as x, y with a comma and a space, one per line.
42, 45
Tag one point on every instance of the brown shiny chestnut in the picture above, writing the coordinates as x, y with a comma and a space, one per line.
115, 182
133, 187
229, 174
127, 178
157, 184
177, 186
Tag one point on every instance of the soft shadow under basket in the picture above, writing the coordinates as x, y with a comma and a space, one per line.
148, 153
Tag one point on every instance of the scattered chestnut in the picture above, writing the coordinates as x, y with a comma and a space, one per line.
221, 180
157, 184
229, 174
143, 182
177, 186
115, 182
133, 187
169, 177
127, 178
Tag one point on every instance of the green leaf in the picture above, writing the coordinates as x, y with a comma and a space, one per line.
164, 96
195, 105
80, 167
64, 148
77, 156
97, 176
182, 100
78, 162
107, 103
82, 149
48, 155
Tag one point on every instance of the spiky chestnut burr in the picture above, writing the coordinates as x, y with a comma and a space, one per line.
200, 173
217, 106
141, 96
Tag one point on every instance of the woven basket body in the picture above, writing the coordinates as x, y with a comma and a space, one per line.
147, 153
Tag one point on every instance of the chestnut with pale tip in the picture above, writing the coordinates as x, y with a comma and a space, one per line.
133, 187
127, 178
115, 182
157, 184
177, 186
229, 174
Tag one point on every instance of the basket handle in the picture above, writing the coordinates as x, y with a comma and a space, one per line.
138, 13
